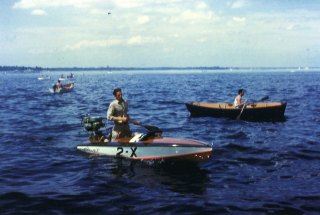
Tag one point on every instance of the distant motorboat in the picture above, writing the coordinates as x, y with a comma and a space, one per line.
71, 76
44, 77
62, 78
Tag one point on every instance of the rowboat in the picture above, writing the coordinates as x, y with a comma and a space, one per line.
272, 111
65, 88
143, 146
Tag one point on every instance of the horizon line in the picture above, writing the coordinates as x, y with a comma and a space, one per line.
37, 68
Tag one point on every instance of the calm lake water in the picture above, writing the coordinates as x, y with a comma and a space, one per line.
257, 167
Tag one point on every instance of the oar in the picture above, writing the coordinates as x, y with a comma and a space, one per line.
151, 128
260, 100
263, 99
238, 117
148, 127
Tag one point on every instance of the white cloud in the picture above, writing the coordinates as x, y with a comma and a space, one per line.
239, 19
38, 12
143, 20
139, 40
129, 3
290, 27
83, 44
202, 40
201, 5
108, 4
192, 16
238, 4
134, 40
98, 11
33, 4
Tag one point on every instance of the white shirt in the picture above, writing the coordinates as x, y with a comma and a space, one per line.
117, 109
235, 103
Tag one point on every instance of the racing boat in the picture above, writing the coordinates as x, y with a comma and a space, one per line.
65, 88
148, 146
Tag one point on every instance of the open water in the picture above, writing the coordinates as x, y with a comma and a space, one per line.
257, 167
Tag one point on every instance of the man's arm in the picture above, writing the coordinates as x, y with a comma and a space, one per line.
111, 117
110, 112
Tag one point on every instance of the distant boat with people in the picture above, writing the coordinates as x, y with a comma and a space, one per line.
71, 76
43, 77
62, 78
64, 89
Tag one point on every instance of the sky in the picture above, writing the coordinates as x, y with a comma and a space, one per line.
153, 33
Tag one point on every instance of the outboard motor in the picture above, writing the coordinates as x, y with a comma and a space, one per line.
93, 125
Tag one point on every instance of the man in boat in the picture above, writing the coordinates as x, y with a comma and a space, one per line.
118, 113
238, 100
71, 75
57, 86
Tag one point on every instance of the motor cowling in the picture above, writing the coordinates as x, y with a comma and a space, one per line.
92, 124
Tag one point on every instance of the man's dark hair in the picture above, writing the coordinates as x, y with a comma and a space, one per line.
116, 90
240, 91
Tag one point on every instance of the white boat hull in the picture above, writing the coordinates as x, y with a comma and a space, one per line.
43, 78
150, 151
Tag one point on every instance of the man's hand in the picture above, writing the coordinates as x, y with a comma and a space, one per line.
125, 119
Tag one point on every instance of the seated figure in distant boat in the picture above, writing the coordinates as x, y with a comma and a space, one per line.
71, 75
238, 100
57, 86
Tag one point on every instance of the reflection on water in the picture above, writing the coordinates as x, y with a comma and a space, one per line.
180, 177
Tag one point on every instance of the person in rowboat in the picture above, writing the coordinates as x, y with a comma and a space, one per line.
238, 100
57, 86
118, 113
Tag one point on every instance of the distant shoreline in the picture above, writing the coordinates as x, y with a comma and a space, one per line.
202, 68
